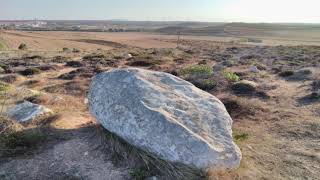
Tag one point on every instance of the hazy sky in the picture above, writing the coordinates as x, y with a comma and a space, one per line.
185, 10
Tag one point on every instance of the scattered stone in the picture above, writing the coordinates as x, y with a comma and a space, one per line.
165, 115
2, 70
244, 87
27, 111
129, 56
254, 69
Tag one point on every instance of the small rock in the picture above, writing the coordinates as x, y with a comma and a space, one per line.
129, 56
254, 69
27, 111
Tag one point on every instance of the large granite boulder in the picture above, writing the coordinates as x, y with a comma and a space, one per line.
165, 115
27, 111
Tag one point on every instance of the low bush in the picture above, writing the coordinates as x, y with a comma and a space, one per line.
198, 70
94, 56
65, 49
286, 73
74, 50
75, 64
205, 84
9, 78
21, 142
4, 87
240, 136
230, 76
315, 87
147, 164
22, 46
30, 71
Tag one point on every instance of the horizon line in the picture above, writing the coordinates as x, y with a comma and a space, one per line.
125, 20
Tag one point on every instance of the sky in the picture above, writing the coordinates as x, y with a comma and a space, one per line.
291, 11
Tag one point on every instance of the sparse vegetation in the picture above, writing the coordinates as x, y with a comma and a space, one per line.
230, 76
74, 64
2, 46
31, 71
139, 174
21, 142
240, 137
147, 163
74, 50
286, 73
315, 87
10, 78
197, 70
4, 87
279, 121
205, 84
65, 49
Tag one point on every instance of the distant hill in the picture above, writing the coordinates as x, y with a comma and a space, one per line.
240, 29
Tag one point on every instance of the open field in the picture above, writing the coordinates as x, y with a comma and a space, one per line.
56, 40
276, 125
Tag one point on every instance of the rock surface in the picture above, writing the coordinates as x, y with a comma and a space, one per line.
165, 115
27, 111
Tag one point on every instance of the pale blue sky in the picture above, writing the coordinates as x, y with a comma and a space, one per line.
171, 10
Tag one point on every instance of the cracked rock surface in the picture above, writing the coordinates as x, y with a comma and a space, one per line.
166, 116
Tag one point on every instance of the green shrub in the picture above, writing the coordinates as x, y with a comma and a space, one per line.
2, 46
65, 49
240, 137
230, 76
74, 50
31, 71
4, 87
202, 70
22, 46
205, 84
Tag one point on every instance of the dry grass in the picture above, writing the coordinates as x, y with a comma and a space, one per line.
146, 163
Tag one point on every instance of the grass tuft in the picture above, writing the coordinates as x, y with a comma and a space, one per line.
230, 76
4, 87
23, 46
31, 71
147, 163
13, 142
202, 70
240, 137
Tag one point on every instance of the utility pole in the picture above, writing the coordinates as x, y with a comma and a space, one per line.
178, 40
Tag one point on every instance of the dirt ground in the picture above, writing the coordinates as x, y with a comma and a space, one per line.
279, 130
88, 41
